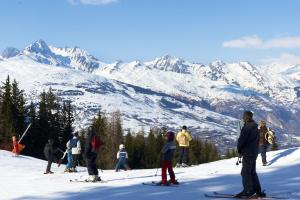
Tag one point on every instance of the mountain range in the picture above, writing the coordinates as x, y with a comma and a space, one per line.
167, 91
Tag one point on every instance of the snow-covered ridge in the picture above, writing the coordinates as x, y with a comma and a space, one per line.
166, 91
22, 178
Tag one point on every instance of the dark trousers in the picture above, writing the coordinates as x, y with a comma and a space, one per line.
263, 152
48, 169
122, 163
75, 158
167, 164
183, 155
250, 179
50, 159
91, 164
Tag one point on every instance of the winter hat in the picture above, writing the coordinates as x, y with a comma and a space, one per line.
262, 123
122, 146
170, 135
76, 134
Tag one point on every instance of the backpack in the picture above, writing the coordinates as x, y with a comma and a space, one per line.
270, 136
95, 143
73, 142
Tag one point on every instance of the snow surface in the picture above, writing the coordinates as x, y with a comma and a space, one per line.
22, 178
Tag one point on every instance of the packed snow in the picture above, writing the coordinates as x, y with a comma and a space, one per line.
22, 178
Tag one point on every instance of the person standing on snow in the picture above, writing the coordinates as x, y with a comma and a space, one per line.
75, 145
167, 154
49, 153
92, 146
248, 148
122, 158
263, 142
183, 138
69, 158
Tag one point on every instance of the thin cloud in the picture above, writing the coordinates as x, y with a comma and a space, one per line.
285, 59
92, 2
257, 42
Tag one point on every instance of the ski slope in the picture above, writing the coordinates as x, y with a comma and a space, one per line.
22, 178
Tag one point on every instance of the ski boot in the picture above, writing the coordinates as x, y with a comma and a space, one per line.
175, 182
184, 165
178, 165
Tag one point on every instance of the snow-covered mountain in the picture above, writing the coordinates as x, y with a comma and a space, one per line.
167, 91
22, 178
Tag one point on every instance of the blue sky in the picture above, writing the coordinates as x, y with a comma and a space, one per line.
196, 30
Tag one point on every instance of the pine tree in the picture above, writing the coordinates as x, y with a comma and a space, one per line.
67, 122
151, 156
6, 114
18, 108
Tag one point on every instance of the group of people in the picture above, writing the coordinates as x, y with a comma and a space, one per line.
93, 143
253, 139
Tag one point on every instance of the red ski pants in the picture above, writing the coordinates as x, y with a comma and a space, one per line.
167, 164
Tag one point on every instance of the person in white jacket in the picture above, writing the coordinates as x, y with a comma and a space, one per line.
75, 145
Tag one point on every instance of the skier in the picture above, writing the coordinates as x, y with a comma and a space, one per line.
17, 147
75, 145
122, 158
92, 146
263, 142
167, 154
183, 138
69, 158
248, 148
49, 152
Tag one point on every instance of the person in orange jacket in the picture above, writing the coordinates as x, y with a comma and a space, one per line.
17, 148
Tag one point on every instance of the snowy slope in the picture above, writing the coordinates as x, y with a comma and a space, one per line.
22, 179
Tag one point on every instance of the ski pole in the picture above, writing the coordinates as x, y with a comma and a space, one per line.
24, 133
156, 171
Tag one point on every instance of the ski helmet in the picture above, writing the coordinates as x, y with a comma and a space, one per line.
170, 135
122, 146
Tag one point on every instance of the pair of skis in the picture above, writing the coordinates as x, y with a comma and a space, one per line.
153, 183
86, 181
217, 195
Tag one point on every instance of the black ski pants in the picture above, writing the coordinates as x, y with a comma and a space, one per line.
91, 164
183, 155
250, 179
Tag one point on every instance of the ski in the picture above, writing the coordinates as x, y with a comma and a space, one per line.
272, 196
85, 181
153, 183
218, 195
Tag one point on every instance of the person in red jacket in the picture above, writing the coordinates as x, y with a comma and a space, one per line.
16, 149
167, 156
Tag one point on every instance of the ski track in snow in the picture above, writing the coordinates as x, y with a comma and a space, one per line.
22, 178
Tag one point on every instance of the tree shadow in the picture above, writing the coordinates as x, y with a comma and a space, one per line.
282, 154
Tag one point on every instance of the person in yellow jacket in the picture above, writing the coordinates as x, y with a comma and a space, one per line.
183, 138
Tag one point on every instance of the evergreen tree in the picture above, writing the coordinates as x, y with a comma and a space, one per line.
6, 114
18, 108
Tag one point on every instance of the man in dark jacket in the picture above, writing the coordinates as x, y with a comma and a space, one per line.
49, 152
91, 156
248, 148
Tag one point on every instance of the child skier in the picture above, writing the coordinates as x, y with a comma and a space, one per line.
167, 156
75, 146
69, 158
122, 158
49, 152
